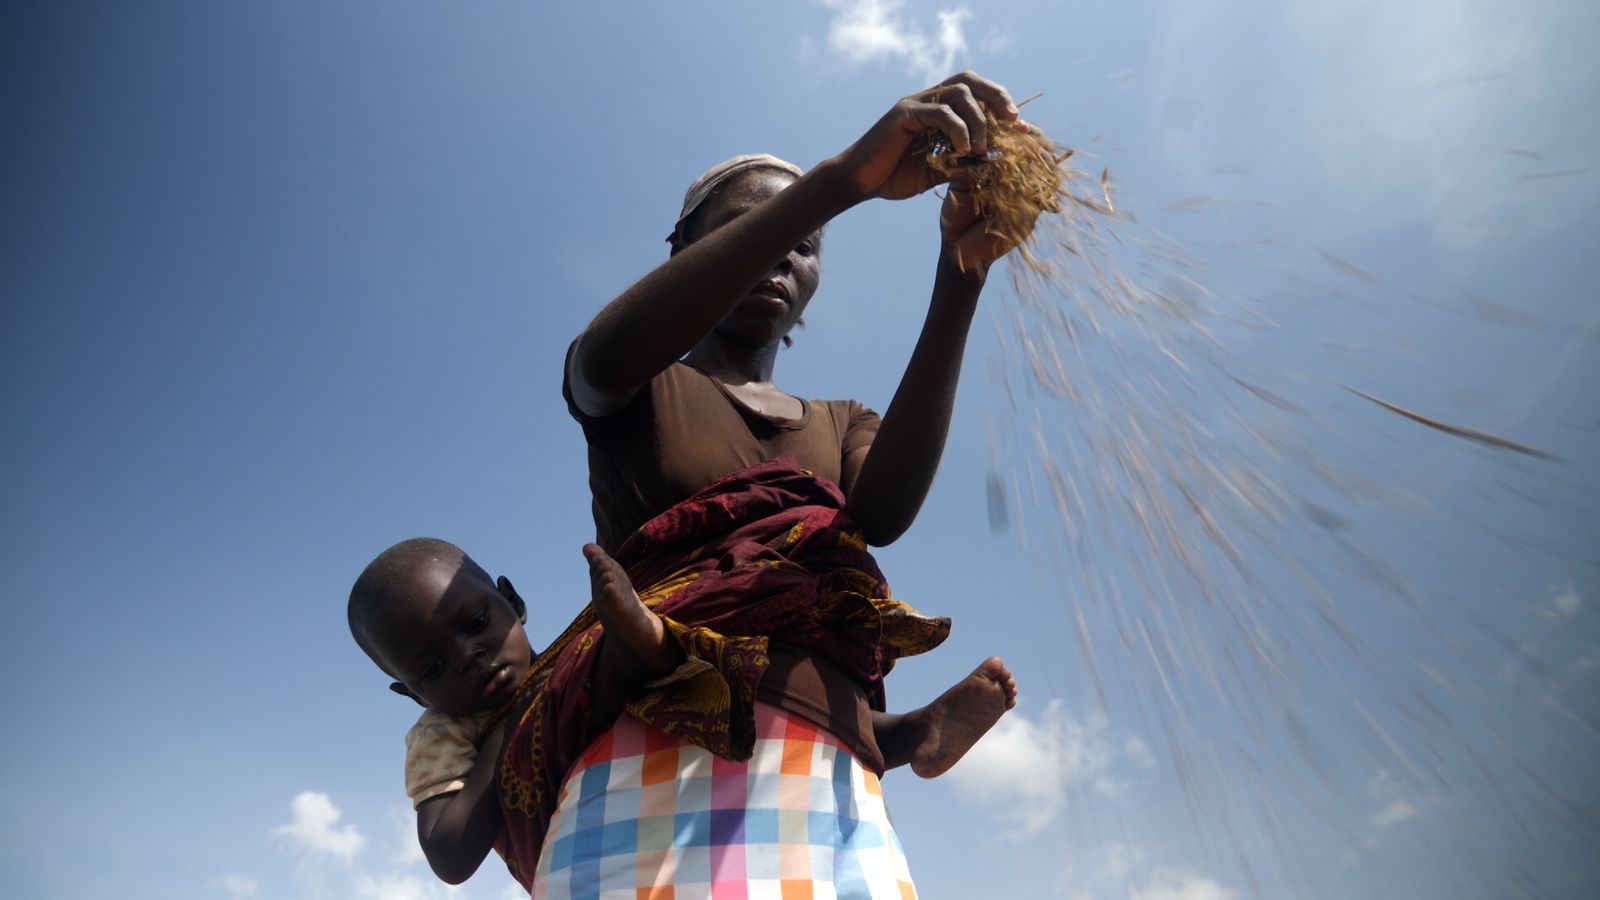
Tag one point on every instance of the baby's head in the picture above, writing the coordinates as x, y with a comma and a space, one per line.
433, 620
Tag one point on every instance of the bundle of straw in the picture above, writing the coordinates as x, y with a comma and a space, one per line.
1023, 176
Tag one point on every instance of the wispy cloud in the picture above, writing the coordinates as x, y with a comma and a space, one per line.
1025, 767
401, 886
1396, 812
314, 828
1394, 798
331, 860
1181, 885
404, 824
237, 886
867, 31
1565, 604
1117, 861
1139, 752
1120, 871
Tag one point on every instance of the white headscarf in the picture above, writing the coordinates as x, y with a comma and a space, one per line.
720, 173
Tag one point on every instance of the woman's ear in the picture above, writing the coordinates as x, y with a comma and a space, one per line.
404, 691
513, 598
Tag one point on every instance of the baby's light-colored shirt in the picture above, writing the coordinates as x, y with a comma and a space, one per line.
440, 750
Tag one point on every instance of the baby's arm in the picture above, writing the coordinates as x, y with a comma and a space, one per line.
458, 830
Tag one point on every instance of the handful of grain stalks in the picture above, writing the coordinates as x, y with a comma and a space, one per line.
1023, 176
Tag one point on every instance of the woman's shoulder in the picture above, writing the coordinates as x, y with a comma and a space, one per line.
846, 415
846, 408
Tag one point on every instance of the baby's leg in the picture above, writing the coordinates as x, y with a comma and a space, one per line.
934, 737
637, 648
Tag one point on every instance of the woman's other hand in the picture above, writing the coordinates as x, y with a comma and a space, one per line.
966, 234
890, 160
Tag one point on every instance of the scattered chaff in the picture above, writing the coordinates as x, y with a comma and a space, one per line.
1548, 176
1500, 314
1481, 437
1204, 522
1349, 268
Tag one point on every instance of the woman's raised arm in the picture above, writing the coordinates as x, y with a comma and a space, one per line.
894, 478
663, 315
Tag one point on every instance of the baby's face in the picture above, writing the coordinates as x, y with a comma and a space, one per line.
458, 645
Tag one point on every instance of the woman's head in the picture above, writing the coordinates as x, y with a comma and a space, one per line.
725, 192
709, 188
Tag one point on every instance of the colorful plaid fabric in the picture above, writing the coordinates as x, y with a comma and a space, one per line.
645, 816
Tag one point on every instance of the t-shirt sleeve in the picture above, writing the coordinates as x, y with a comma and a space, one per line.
618, 420
861, 428
583, 418
440, 751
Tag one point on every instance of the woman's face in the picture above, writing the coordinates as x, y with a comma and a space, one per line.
776, 302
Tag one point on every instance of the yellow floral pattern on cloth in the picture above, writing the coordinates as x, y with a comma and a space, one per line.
523, 790
709, 700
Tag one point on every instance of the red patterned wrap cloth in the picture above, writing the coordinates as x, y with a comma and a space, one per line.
765, 553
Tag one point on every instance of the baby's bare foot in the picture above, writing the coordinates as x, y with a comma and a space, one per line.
954, 722
637, 629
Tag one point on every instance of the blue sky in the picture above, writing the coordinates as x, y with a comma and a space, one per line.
284, 283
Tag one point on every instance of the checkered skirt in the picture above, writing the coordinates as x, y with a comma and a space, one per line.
645, 816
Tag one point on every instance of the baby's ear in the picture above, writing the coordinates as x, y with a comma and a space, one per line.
513, 598
404, 691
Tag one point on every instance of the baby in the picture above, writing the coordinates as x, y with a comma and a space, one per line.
452, 638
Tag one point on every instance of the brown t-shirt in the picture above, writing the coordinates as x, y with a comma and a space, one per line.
682, 432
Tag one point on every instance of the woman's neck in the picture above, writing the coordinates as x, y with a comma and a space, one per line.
733, 364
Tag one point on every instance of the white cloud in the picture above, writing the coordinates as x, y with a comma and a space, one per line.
1118, 871
1117, 862
1109, 788
402, 886
1565, 603
1396, 812
329, 863
1181, 885
1139, 752
1024, 768
409, 848
313, 828
1395, 799
995, 42
863, 31
237, 886
1584, 664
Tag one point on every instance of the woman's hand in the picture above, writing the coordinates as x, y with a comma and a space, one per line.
890, 160
966, 234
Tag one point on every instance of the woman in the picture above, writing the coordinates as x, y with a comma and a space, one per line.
673, 385
741, 273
